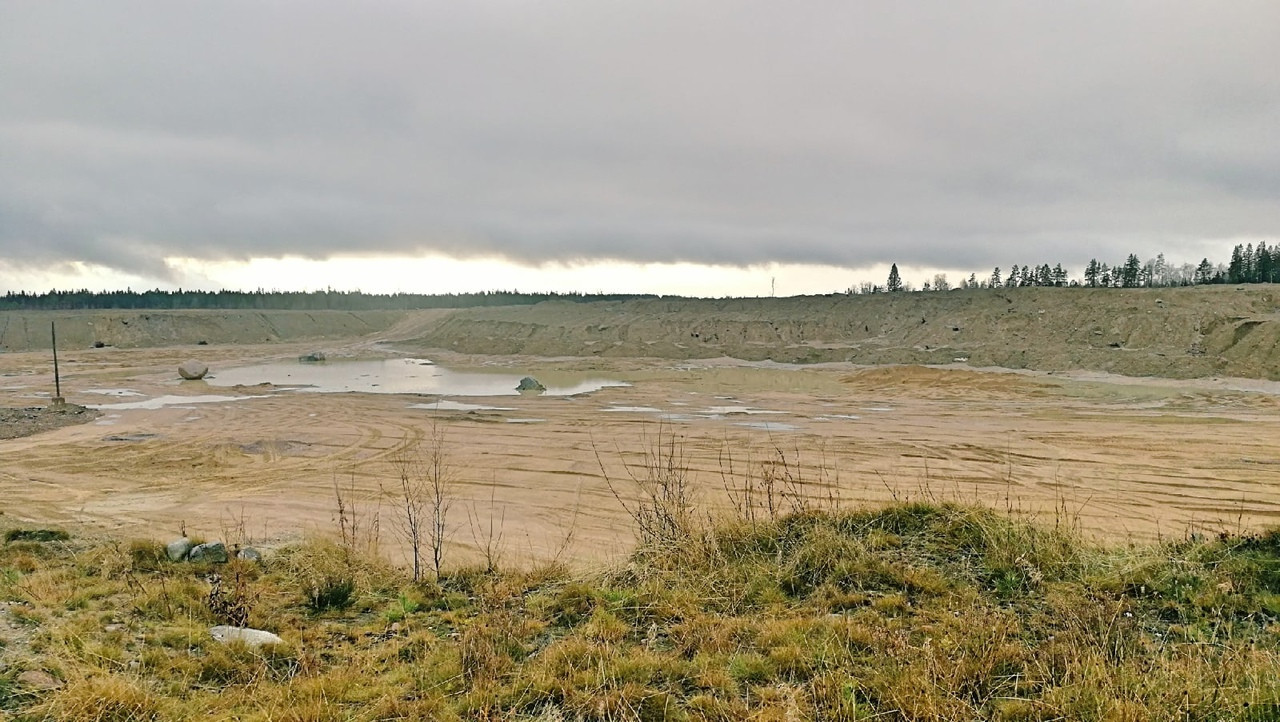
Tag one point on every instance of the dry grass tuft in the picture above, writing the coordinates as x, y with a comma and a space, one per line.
912, 611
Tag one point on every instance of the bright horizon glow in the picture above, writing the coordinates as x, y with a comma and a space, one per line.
441, 274
437, 274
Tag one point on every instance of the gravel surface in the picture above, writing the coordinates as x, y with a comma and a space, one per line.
16, 423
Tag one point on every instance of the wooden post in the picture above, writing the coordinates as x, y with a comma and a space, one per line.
58, 401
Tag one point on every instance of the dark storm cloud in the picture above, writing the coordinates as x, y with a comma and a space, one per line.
732, 132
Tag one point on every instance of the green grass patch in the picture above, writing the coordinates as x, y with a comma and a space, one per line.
36, 535
913, 611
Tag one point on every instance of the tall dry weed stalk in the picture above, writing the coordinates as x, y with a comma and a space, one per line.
777, 485
424, 497
359, 521
488, 535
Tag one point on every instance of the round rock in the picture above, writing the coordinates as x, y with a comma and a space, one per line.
193, 370
215, 552
178, 549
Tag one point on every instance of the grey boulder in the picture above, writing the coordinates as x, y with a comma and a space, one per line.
193, 370
249, 554
178, 549
529, 383
215, 552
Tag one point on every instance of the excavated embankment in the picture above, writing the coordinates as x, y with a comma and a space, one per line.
1177, 333
1169, 332
29, 330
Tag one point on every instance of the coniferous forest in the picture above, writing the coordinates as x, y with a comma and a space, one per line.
1248, 264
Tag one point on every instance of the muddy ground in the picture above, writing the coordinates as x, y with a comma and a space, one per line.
1122, 457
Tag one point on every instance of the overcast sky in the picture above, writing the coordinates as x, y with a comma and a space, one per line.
159, 141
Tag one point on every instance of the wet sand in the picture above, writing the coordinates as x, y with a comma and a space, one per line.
1123, 458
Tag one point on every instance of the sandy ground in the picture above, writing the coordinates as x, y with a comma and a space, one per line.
1124, 458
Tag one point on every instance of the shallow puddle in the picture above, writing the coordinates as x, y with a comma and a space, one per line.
161, 402
402, 376
446, 405
768, 425
112, 392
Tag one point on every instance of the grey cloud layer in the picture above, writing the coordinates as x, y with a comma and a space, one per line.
738, 132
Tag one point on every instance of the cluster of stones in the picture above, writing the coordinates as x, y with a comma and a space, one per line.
184, 549
216, 553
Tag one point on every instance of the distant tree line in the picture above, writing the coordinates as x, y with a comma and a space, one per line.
1248, 264
284, 300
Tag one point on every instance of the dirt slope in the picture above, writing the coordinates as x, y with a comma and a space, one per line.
1177, 333
29, 331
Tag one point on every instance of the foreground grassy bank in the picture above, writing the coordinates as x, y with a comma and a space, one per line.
913, 611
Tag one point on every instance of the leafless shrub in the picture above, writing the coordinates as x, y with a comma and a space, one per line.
423, 497
664, 512
231, 606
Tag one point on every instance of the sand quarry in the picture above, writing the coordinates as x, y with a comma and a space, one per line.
1125, 457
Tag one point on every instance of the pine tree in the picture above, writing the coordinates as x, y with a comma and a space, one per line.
1059, 275
895, 280
1204, 272
995, 278
1044, 275
1092, 273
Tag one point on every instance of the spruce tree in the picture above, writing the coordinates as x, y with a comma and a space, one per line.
1235, 269
1264, 263
895, 280
1132, 272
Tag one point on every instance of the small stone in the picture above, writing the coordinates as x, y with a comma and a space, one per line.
39, 680
251, 637
215, 552
178, 549
193, 370
112, 628
249, 554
